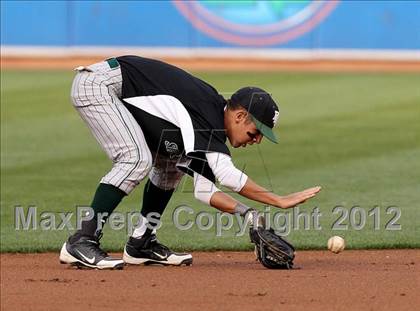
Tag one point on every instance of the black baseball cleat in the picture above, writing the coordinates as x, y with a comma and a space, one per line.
150, 251
86, 253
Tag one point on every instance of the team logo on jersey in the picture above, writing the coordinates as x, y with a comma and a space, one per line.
275, 117
255, 23
171, 148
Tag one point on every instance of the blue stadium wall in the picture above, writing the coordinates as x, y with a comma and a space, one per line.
371, 25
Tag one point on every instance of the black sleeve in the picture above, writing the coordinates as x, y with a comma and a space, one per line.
196, 164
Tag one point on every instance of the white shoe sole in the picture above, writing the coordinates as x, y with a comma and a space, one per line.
172, 260
67, 258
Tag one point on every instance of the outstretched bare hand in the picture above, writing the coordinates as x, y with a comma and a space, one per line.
293, 199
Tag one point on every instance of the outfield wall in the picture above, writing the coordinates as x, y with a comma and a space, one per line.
276, 29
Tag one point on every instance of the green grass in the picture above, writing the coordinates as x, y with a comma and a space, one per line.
357, 135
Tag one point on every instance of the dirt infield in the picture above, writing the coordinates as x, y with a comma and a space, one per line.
352, 280
209, 64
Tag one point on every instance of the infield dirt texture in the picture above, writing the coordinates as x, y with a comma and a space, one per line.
354, 133
353, 280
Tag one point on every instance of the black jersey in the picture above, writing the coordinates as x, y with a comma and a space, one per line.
176, 111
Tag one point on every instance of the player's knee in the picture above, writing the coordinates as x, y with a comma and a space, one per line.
166, 179
147, 165
142, 165
132, 165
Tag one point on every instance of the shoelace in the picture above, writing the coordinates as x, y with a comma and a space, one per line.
94, 246
156, 245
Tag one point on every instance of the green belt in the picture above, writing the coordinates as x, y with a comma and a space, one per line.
113, 63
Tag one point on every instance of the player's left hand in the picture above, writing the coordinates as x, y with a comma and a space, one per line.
272, 251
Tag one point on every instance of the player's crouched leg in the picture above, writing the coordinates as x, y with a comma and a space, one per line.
143, 246
83, 248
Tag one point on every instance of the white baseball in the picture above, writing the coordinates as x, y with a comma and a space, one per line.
336, 244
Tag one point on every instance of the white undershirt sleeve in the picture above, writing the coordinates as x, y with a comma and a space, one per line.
225, 172
203, 188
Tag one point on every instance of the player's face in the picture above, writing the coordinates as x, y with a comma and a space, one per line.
243, 131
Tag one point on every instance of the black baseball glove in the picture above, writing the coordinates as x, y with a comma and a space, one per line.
272, 251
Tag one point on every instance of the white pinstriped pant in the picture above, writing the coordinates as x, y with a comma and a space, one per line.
95, 94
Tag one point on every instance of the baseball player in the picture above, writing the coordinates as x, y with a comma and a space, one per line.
156, 121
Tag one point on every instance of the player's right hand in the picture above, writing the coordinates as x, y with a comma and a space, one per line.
293, 199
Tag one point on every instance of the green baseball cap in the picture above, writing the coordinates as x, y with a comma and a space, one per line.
262, 108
